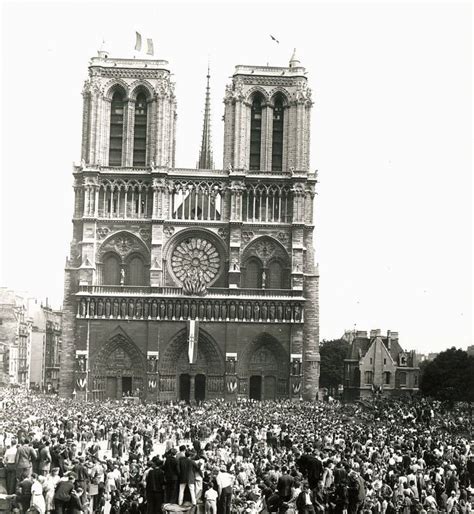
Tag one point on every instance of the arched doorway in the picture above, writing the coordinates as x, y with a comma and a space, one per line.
200, 387
184, 387
206, 375
266, 364
117, 370
255, 389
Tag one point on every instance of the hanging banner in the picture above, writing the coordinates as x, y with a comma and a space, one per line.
193, 338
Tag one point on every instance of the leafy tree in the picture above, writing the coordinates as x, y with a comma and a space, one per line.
332, 354
449, 377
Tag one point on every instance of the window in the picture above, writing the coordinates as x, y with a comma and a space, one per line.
277, 138
111, 271
136, 272
139, 136
368, 377
371, 361
116, 129
274, 278
416, 380
255, 132
387, 377
403, 378
385, 361
252, 276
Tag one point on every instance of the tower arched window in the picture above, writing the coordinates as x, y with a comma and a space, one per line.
277, 135
139, 136
111, 273
252, 276
116, 128
255, 132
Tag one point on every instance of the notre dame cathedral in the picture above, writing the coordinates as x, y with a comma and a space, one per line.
192, 284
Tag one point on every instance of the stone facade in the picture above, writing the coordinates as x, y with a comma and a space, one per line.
377, 364
15, 338
157, 248
45, 346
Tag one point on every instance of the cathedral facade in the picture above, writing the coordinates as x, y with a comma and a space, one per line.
192, 284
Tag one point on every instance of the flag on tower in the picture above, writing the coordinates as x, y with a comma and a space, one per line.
193, 338
138, 41
149, 44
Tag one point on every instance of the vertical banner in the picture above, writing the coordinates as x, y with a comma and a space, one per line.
150, 50
138, 42
193, 338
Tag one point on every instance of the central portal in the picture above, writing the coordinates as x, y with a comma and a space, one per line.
200, 388
185, 387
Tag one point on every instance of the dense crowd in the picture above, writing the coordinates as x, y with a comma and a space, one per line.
62, 456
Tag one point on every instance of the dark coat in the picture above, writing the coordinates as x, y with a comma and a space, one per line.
187, 470
171, 468
63, 490
285, 482
155, 481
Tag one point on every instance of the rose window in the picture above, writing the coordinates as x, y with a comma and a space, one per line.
195, 259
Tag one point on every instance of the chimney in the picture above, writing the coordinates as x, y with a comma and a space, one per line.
361, 333
375, 333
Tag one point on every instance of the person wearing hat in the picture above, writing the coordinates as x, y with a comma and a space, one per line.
171, 476
155, 486
187, 477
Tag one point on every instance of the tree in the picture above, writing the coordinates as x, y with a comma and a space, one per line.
332, 354
449, 377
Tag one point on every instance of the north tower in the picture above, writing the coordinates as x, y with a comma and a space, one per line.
184, 283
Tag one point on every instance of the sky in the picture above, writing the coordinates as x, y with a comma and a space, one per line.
391, 140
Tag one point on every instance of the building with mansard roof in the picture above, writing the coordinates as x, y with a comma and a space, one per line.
378, 364
199, 283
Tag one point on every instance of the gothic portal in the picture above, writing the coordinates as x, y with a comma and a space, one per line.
192, 283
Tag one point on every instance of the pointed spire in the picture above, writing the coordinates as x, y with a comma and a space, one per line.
205, 155
294, 61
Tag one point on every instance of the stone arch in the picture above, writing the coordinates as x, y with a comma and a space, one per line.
279, 92
174, 357
255, 90
266, 248
138, 86
118, 353
115, 85
264, 355
124, 243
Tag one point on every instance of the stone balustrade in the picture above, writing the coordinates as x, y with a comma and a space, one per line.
130, 307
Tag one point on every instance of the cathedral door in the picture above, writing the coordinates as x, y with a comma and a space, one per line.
185, 387
200, 388
269, 392
255, 392
111, 388
127, 386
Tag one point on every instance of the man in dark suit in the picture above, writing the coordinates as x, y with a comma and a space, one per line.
171, 476
155, 487
187, 473
311, 467
284, 484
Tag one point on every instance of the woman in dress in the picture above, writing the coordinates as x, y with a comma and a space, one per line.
50, 483
37, 498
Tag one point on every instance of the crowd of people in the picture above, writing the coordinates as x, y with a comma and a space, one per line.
64, 456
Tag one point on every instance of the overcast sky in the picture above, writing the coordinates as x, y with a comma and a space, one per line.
391, 138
